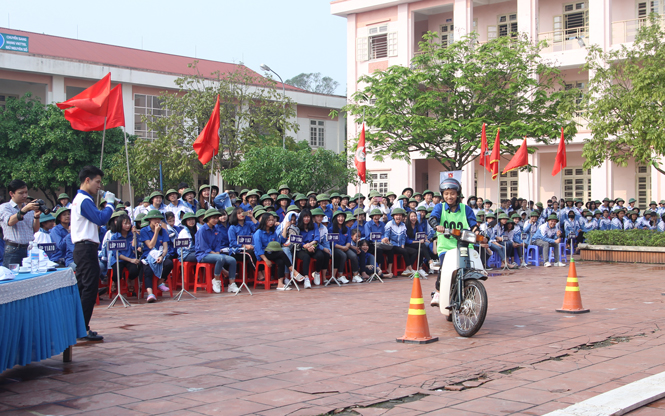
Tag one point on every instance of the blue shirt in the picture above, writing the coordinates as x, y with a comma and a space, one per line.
67, 246
439, 208
262, 238
222, 201
207, 240
235, 230
223, 234
58, 233
128, 252
147, 234
371, 227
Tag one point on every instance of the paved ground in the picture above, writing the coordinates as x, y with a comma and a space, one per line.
324, 349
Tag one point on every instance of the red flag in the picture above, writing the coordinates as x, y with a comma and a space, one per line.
483, 150
207, 144
360, 156
94, 99
84, 121
520, 159
494, 157
560, 160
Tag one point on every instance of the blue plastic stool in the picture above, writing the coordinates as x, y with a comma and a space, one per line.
532, 255
562, 253
494, 260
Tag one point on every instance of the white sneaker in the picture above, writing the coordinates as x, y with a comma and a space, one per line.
435, 266
343, 280
217, 285
308, 285
407, 272
435, 300
283, 288
422, 273
560, 264
357, 279
233, 288
317, 278
547, 264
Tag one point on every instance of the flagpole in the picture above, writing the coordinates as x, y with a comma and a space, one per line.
101, 159
484, 185
498, 182
129, 181
212, 167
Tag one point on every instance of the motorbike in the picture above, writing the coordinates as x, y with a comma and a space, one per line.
461, 277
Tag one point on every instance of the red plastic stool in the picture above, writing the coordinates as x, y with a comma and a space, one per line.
268, 274
209, 270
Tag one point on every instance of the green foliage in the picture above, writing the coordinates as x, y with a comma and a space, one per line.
625, 98
252, 115
438, 104
646, 238
314, 82
41, 148
302, 169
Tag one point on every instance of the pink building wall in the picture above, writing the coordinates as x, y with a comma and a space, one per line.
487, 15
389, 14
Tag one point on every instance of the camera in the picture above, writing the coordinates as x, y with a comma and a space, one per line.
42, 206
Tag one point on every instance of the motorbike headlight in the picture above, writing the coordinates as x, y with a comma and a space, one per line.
468, 237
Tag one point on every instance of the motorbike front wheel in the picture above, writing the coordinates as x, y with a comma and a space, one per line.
469, 317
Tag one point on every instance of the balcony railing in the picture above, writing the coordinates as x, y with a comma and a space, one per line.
565, 39
625, 31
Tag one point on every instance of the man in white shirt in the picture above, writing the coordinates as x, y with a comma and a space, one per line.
85, 218
19, 221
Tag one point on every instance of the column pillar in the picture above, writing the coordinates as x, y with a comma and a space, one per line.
404, 34
468, 179
527, 18
462, 18
600, 24
58, 92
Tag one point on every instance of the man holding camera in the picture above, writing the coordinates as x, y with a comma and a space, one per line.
19, 221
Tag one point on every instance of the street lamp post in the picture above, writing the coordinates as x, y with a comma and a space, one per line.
266, 68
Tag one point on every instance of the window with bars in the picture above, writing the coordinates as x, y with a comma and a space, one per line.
509, 185
317, 133
148, 107
379, 44
577, 183
379, 182
447, 36
6, 97
645, 8
643, 186
507, 25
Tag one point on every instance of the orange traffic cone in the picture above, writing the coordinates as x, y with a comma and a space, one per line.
572, 300
417, 329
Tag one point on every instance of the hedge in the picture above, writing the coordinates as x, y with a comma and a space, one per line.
645, 238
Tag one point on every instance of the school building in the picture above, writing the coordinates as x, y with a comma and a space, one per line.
381, 33
55, 69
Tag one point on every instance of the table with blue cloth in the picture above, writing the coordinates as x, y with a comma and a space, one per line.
40, 316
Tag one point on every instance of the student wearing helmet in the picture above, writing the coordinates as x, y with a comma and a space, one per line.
451, 213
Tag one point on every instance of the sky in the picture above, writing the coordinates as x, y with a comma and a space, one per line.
290, 36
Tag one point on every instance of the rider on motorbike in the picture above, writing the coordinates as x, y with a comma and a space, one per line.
451, 213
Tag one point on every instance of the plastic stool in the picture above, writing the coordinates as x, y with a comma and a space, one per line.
494, 260
208, 269
190, 270
268, 275
532, 255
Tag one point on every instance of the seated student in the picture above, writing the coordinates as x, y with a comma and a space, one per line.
549, 236
172, 231
502, 241
343, 250
63, 202
199, 217
428, 199
209, 249
266, 242
46, 224
630, 220
353, 203
67, 246
176, 206
376, 203
203, 197
518, 243
323, 243
324, 203
344, 203
312, 202
618, 223
597, 216
252, 198
648, 222
189, 199
360, 223
157, 202
661, 207
487, 205
242, 223
155, 241
366, 261
300, 201
283, 201
188, 231
414, 226
531, 227
310, 246
605, 223
395, 235
62, 221
572, 229
589, 223
661, 225
121, 229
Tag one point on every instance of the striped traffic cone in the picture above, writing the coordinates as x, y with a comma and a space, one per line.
417, 329
572, 300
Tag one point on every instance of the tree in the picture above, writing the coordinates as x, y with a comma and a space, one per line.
303, 170
314, 82
41, 148
626, 101
437, 105
252, 114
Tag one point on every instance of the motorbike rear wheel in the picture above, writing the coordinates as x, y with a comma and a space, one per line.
469, 317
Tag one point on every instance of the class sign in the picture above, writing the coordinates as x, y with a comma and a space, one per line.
16, 43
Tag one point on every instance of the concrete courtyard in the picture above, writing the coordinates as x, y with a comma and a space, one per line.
333, 349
